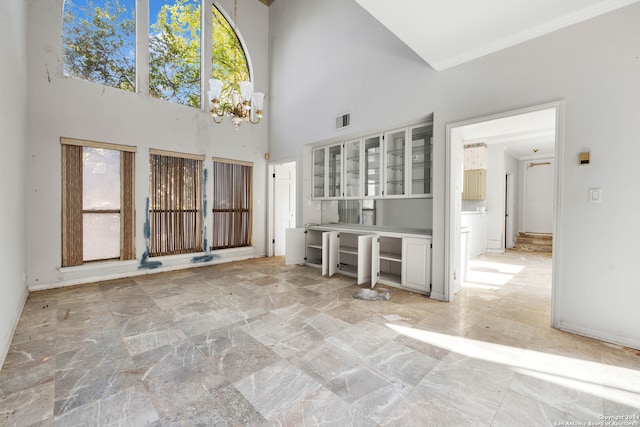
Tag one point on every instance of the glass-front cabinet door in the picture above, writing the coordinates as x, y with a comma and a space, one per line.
334, 171
372, 156
318, 183
352, 168
395, 162
421, 157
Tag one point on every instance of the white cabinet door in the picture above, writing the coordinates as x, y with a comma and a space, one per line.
372, 159
375, 261
416, 263
353, 169
318, 179
420, 160
333, 252
294, 250
395, 163
325, 253
364, 259
334, 172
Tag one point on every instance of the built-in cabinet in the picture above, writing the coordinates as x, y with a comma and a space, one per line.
475, 184
395, 163
371, 255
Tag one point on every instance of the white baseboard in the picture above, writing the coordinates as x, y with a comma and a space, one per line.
599, 335
6, 342
220, 257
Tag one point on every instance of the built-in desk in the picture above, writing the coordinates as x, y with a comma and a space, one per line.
392, 256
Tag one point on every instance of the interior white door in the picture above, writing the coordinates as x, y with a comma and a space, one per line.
284, 204
539, 196
295, 246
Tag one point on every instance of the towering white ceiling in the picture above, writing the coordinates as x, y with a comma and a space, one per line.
449, 33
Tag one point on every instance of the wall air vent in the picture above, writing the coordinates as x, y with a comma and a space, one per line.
343, 121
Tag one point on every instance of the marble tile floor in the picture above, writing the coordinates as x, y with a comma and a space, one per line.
258, 343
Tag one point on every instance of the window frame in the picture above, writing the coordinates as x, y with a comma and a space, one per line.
72, 204
162, 222
142, 45
235, 213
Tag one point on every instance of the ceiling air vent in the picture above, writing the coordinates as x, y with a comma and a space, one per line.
343, 121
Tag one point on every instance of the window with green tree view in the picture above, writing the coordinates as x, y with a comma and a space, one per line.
99, 45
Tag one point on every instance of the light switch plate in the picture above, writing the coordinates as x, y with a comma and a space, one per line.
595, 195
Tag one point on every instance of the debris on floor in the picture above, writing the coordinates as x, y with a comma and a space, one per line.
393, 317
371, 295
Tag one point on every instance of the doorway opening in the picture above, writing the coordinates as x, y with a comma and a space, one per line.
515, 198
282, 195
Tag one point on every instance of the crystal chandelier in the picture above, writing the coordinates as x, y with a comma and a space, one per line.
240, 110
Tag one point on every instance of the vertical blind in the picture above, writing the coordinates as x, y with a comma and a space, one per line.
232, 203
175, 205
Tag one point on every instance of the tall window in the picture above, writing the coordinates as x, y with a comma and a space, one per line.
174, 47
97, 202
99, 45
175, 204
99, 42
232, 203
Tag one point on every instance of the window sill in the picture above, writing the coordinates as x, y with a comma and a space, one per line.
95, 265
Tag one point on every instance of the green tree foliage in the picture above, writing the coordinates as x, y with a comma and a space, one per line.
174, 44
99, 43
229, 62
99, 46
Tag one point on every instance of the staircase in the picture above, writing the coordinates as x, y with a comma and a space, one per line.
533, 242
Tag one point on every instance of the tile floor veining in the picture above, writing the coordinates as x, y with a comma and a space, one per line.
258, 343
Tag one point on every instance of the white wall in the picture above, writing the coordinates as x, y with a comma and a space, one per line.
13, 112
358, 66
60, 106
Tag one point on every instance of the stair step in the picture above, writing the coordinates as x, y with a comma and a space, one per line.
532, 248
533, 242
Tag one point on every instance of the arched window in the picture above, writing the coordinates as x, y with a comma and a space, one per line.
99, 41
228, 59
99, 45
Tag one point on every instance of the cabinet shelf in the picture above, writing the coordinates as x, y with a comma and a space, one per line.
348, 250
399, 152
391, 256
315, 246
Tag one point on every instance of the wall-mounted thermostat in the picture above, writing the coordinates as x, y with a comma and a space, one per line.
585, 158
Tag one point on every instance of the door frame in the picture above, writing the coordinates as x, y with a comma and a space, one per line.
508, 210
452, 211
271, 200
